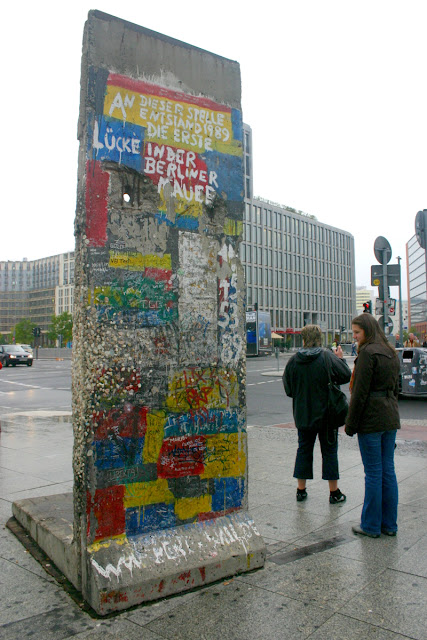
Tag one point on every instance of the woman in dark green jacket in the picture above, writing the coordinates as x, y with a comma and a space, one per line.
374, 415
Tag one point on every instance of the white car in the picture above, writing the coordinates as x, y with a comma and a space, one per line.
27, 347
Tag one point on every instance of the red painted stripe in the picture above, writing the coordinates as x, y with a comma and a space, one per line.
140, 86
108, 509
159, 275
119, 423
182, 456
211, 515
97, 182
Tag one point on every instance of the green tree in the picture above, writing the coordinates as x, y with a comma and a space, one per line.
3, 340
24, 331
61, 325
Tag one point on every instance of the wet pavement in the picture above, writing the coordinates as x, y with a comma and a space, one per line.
319, 582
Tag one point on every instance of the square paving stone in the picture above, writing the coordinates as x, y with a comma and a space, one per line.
322, 578
261, 493
414, 560
413, 488
116, 629
58, 624
24, 594
286, 524
237, 611
150, 611
13, 551
21, 482
393, 600
38, 492
341, 627
379, 553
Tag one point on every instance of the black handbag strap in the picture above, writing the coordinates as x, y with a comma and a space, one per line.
328, 370
328, 366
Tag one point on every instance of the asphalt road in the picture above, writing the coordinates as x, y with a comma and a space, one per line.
267, 403
47, 386
44, 386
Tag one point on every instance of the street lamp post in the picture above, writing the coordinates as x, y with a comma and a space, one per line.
400, 302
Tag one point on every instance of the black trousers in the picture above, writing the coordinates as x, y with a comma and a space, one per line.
304, 458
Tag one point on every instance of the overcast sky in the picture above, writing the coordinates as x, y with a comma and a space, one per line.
335, 93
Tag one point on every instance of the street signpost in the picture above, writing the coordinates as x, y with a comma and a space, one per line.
384, 276
393, 274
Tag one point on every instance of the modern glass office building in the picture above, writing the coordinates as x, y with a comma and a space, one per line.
35, 289
300, 270
416, 259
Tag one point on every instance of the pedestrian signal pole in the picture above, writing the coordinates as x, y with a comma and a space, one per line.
400, 305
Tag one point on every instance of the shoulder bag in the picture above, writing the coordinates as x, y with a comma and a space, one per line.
337, 401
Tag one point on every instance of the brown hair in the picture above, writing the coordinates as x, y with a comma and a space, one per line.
372, 330
312, 335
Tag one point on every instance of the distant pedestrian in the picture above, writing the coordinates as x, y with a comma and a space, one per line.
306, 381
398, 343
354, 348
412, 341
374, 415
425, 342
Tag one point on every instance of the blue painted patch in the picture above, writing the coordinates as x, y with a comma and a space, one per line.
205, 422
182, 222
229, 171
228, 493
136, 317
117, 141
146, 518
237, 124
118, 453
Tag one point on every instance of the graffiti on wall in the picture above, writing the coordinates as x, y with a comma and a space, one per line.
165, 293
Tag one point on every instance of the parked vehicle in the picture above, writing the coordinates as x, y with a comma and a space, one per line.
413, 371
13, 354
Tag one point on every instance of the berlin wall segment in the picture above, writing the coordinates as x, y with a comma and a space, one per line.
160, 451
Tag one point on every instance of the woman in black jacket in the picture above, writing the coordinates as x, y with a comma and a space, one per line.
306, 381
374, 415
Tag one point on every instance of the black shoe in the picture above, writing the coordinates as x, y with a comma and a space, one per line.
359, 531
301, 495
385, 532
337, 496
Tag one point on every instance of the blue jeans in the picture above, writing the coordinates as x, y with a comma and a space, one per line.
381, 493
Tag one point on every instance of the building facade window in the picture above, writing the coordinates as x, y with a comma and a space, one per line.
303, 270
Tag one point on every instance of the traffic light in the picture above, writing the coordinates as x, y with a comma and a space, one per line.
35, 331
367, 307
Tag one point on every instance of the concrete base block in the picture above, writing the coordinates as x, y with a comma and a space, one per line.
49, 521
120, 573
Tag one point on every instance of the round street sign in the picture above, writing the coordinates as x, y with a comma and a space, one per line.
376, 282
421, 228
382, 244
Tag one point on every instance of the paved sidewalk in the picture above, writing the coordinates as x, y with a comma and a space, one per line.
320, 581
